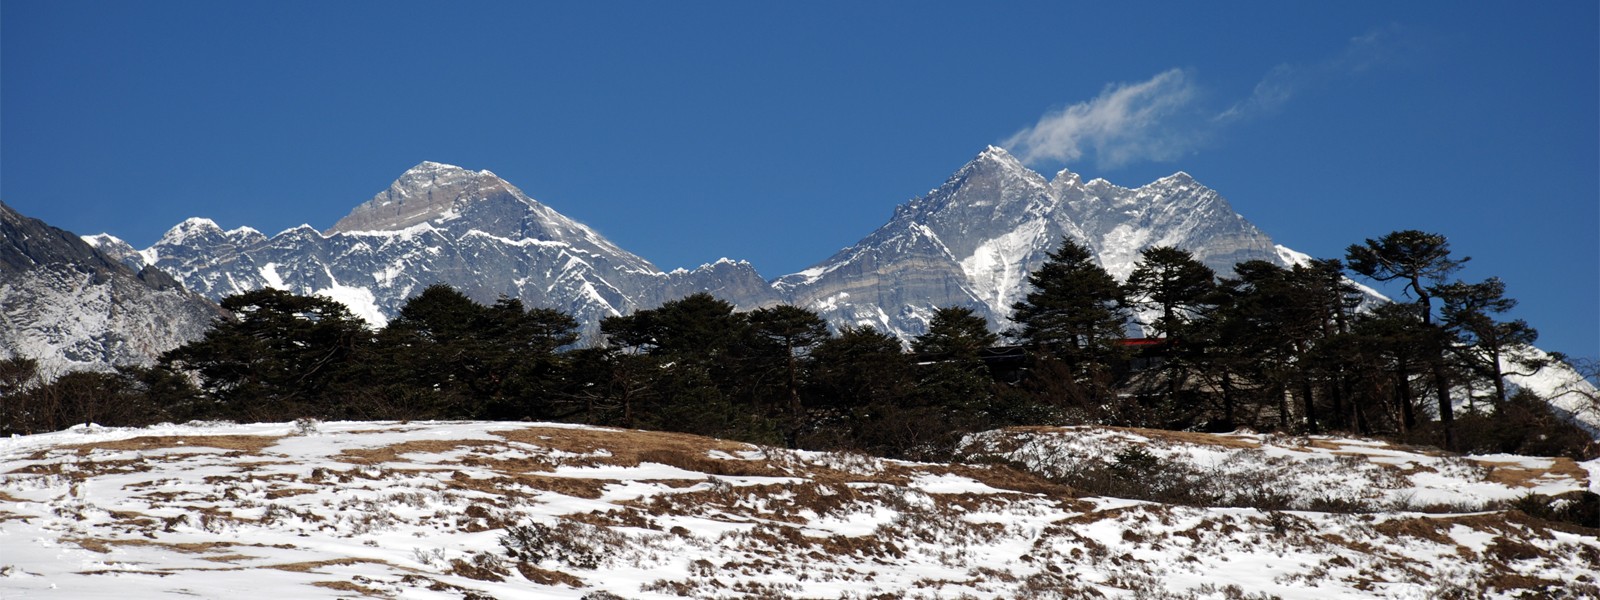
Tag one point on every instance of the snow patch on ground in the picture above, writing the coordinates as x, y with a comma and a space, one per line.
540, 510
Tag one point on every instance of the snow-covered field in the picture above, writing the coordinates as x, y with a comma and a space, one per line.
518, 510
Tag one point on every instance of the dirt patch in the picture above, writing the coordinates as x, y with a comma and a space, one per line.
250, 444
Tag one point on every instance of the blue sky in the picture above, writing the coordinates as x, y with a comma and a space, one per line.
780, 132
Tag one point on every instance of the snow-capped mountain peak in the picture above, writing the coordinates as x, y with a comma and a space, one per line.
190, 228
973, 240
1065, 177
429, 192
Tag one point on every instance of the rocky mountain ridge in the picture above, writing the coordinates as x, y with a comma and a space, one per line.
973, 240
969, 242
70, 306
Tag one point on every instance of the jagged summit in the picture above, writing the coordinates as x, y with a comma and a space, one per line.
199, 229
1180, 178
1066, 177
994, 157
973, 240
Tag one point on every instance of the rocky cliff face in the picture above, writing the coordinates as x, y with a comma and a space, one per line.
70, 306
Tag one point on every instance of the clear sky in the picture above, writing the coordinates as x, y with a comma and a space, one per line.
780, 132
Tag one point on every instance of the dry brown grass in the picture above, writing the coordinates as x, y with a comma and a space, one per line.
312, 565
348, 586
1192, 437
548, 577
103, 546
249, 444
1517, 475
1159, 435
391, 453
625, 445
228, 558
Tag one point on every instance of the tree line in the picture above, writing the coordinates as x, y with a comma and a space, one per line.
1297, 349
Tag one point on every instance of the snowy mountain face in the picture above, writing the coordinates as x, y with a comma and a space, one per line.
974, 240
70, 306
971, 242
442, 224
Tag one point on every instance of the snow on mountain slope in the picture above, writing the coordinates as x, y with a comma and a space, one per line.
1569, 394
439, 223
69, 306
518, 510
974, 240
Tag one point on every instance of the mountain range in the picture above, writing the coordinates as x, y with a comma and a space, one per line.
969, 242
96, 301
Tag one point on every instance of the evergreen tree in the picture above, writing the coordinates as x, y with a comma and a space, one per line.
1074, 315
280, 358
1279, 326
680, 366
955, 331
1482, 341
787, 334
1420, 260
1182, 290
1387, 347
1171, 281
857, 386
951, 374
467, 360
1075, 309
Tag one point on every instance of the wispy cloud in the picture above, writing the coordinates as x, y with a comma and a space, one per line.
1285, 81
1160, 119
1125, 123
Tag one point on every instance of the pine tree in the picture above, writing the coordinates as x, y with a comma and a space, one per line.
1469, 314
1074, 315
857, 381
682, 366
1182, 289
1172, 281
280, 358
1075, 309
787, 333
1388, 352
1420, 260
955, 331
951, 375
465, 360
1279, 323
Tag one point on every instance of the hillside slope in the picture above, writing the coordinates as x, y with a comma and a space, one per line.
516, 510
70, 306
